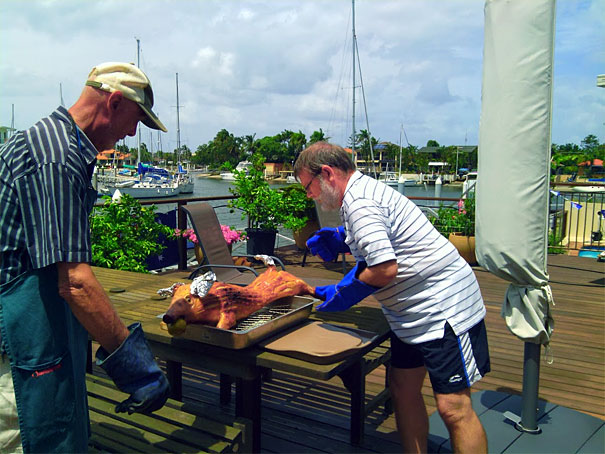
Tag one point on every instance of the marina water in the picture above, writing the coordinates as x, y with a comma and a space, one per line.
212, 187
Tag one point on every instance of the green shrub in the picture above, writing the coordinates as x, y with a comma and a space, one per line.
124, 234
456, 220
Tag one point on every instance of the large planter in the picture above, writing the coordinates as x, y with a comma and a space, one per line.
301, 236
260, 241
465, 246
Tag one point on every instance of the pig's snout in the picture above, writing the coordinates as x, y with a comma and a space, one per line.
178, 309
168, 318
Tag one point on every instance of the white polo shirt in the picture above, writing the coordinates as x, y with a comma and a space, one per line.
434, 285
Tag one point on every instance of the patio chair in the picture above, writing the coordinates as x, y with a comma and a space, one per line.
327, 219
217, 256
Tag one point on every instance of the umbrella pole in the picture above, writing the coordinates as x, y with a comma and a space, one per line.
531, 378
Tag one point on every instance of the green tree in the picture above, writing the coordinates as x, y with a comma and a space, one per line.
318, 136
225, 147
362, 145
273, 148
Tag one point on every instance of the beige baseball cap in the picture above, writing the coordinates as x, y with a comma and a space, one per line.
131, 82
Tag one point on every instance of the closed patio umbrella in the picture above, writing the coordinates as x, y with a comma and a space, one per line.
513, 173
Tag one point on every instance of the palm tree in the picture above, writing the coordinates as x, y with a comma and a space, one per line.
318, 136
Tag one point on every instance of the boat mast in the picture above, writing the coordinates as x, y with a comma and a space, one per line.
139, 125
400, 148
178, 126
354, 155
356, 53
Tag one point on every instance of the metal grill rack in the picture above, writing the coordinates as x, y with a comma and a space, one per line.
262, 316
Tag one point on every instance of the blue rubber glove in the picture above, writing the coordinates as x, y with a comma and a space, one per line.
348, 292
328, 243
134, 371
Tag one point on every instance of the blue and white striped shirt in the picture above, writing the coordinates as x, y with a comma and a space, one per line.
434, 285
45, 196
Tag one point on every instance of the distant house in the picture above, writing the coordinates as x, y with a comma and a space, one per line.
108, 157
436, 163
381, 160
5, 133
273, 169
591, 168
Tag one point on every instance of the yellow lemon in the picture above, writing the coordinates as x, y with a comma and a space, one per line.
177, 328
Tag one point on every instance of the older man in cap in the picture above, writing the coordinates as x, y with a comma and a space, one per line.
50, 300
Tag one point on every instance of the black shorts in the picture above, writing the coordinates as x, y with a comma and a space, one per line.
453, 362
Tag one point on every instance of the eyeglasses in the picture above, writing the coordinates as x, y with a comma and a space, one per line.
310, 181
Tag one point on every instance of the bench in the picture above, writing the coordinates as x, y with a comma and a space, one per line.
177, 427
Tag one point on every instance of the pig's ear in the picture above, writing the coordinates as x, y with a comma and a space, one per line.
175, 286
170, 290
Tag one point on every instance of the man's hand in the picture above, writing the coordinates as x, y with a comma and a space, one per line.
134, 371
348, 292
328, 243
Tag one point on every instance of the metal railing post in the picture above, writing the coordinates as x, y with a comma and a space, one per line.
181, 222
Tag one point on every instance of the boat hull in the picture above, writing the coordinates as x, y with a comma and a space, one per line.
147, 192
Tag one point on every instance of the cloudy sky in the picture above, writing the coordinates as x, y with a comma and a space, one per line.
259, 67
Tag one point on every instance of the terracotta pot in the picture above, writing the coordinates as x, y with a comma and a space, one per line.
301, 236
199, 254
465, 246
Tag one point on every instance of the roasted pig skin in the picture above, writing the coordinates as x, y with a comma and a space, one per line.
225, 304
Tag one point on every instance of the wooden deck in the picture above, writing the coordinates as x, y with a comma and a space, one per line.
302, 415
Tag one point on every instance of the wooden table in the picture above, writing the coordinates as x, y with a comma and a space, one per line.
133, 296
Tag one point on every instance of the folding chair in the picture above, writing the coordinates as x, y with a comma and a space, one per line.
327, 219
217, 256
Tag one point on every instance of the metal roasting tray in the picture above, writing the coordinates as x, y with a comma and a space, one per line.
267, 321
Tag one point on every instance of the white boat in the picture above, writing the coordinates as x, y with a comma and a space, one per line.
147, 188
589, 189
390, 178
241, 166
184, 181
468, 186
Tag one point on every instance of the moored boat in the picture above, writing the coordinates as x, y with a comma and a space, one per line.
241, 166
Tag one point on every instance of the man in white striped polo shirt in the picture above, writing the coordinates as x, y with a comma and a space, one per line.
429, 294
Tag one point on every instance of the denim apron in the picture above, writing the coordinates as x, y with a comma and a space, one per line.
47, 349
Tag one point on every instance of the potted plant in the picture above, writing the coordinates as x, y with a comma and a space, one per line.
303, 219
458, 226
266, 208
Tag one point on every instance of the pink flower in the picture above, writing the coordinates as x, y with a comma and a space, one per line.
231, 235
188, 234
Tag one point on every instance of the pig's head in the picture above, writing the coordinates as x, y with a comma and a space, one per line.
186, 308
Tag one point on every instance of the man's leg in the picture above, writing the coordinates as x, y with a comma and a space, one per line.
466, 432
410, 411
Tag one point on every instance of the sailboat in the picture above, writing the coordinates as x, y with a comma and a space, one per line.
355, 67
183, 179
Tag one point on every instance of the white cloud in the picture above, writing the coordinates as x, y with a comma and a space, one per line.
260, 66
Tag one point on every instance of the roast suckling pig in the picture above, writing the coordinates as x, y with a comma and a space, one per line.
224, 304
